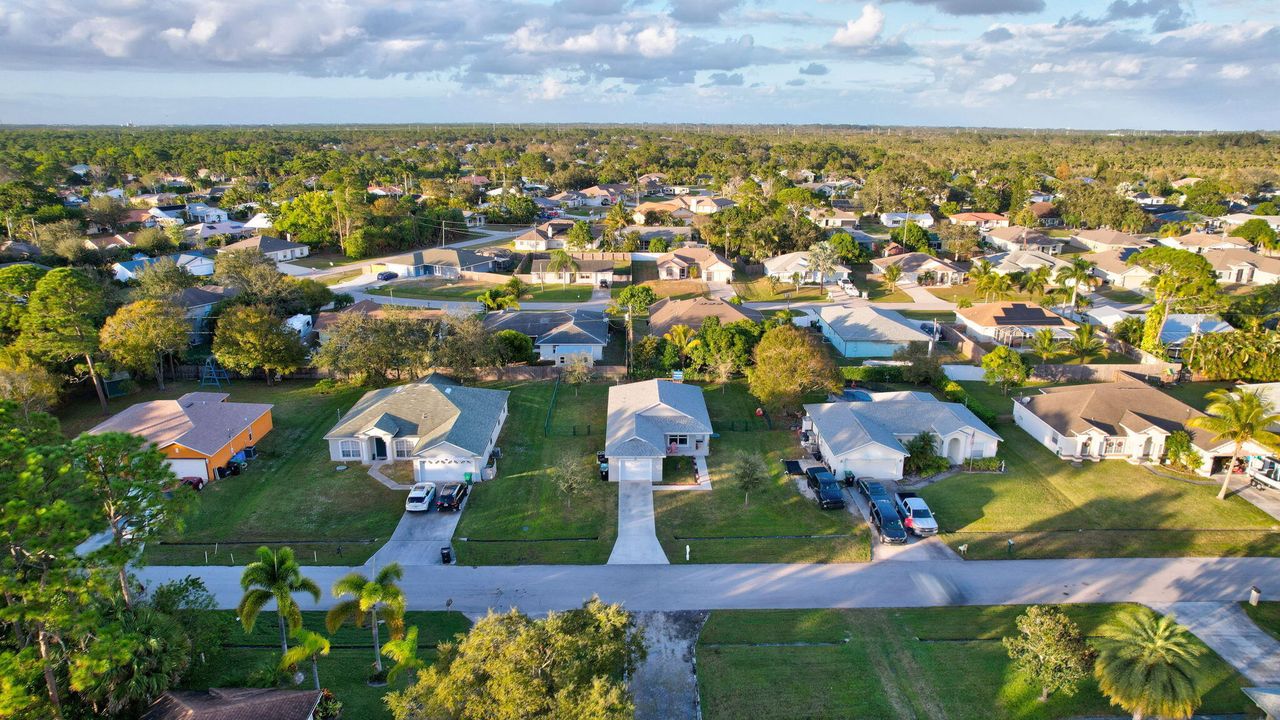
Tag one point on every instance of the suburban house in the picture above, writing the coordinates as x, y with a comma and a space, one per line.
868, 439
1010, 323
201, 213
569, 199
1199, 242
1243, 267
235, 704
369, 308
703, 204
604, 195
867, 331
1105, 239
918, 267
1123, 420
198, 302
589, 272
194, 263
647, 421
277, 249
1107, 316
667, 313
672, 207
1111, 267
157, 216
437, 262
1181, 328
260, 221
1046, 214
557, 335
1016, 261
785, 267
980, 220
198, 234
385, 190
547, 236
109, 242
694, 263
832, 219
1235, 220
898, 219
199, 433
1016, 237
445, 430
672, 235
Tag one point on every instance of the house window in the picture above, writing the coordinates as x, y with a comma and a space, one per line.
403, 448
1113, 446
349, 449
679, 440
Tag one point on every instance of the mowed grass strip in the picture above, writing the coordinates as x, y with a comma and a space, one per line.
942, 663
1265, 615
521, 516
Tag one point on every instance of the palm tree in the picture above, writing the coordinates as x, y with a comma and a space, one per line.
1076, 273
1086, 344
496, 299
981, 269
1034, 281
1150, 666
892, 275
367, 597
994, 285
1242, 416
683, 337
562, 262
404, 652
310, 646
274, 575
1044, 344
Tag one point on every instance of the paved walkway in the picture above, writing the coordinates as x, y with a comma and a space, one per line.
1268, 501
375, 472
1228, 630
637, 542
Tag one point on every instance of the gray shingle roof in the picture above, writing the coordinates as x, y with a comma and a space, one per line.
1107, 407
847, 426
434, 410
870, 324
264, 244
563, 327
641, 414
234, 704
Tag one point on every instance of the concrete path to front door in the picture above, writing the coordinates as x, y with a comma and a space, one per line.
637, 542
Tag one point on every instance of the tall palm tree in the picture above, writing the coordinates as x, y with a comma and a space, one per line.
1034, 282
1242, 416
562, 262
981, 269
274, 575
1078, 272
1086, 344
995, 286
683, 337
367, 597
1044, 344
892, 275
310, 646
497, 299
1150, 666
404, 652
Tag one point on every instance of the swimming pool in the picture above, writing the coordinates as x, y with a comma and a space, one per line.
857, 395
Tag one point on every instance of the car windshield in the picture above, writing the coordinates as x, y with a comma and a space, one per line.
920, 514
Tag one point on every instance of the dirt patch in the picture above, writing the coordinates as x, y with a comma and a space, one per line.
665, 685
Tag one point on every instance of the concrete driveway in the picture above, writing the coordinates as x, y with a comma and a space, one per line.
637, 542
418, 538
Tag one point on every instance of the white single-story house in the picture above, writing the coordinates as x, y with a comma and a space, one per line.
446, 430
1107, 316
1017, 238
589, 272
1111, 267
694, 263
201, 213
1104, 239
1239, 266
1011, 323
898, 219
557, 335
1180, 328
649, 420
868, 439
1199, 242
867, 331
672, 235
193, 262
981, 220
277, 249
437, 262
785, 267
550, 235
1016, 261
918, 267
832, 219
1123, 420
260, 221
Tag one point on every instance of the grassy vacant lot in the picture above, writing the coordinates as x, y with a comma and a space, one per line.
521, 517
926, 663
646, 273
969, 291
765, 289
720, 528
875, 288
290, 495
469, 290
1266, 616
1105, 509
343, 671
942, 316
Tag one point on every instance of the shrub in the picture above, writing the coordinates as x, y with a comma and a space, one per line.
988, 464
330, 707
872, 373
953, 392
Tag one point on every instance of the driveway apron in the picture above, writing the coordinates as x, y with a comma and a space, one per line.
1228, 630
637, 542
418, 538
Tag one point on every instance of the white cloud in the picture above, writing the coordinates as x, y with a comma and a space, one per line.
551, 89
998, 82
863, 31
1234, 71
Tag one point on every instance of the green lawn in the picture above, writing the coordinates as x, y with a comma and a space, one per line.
1122, 296
555, 292
290, 495
343, 671
1105, 509
1194, 393
470, 290
876, 289
324, 260
768, 290
1266, 616
720, 528
873, 664
341, 277
942, 316
521, 517
969, 291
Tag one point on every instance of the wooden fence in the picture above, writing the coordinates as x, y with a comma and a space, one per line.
1102, 372
546, 372
965, 346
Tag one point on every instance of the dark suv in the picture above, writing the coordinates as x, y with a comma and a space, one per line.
450, 496
885, 519
871, 490
826, 489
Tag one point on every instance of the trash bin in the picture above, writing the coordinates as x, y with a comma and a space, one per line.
467, 478
446, 555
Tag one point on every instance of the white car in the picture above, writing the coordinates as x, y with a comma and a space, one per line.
420, 497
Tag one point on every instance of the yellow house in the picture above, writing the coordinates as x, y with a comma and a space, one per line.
199, 432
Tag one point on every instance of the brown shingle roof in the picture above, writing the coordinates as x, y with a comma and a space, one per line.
200, 421
1012, 314
373, 309
1109, 407
1114, 238
665, 314
234, 704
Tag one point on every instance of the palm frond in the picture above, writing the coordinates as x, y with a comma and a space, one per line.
338, 615
251, 605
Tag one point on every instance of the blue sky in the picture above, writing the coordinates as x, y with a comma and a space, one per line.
1147, 64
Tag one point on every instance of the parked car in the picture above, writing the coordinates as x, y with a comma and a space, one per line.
826, 489
885, 520
871, 490
420, 497
388, 275
915, 514
450, 496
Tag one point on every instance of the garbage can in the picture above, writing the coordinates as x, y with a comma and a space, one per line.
446, 555
466, 477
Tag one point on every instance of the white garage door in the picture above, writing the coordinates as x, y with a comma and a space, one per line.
443, 472
876, 469
636, 469
189, 468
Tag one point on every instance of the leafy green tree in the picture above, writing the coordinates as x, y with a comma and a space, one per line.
1267, 208
1005, 367
822, 260
573, 474
749, 472
1076, 274
1050, 650
923, 368
584, 656
1181, 453
683, 338
636, 298
153, 241
274, 576
514, 346
579, 236
26, 382
309, 218
658, 245
959, 239
131, 661
307, 646
922, 456
249, 337
105, 211
892, 274
911, 236
141, 334
17, 282
164, 280
1150, 666
61, 324
1034, 282
467, 348
1240, 417
362, 598
790, 363
1180, 279
498, 299
562, 262
1257, 232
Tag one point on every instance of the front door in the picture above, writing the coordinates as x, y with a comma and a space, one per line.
379, 449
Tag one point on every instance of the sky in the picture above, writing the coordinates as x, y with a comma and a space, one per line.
1085, 64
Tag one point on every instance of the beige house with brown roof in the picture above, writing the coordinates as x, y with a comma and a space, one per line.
1111, 268
694, 263
1198, 242
1010, 323
667, 313
1016, 237
1104, 239
917, 265
1243, 267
